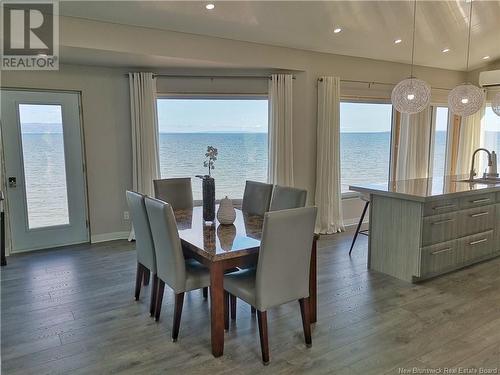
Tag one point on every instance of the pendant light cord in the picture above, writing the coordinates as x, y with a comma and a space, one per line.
413, 41
468, 37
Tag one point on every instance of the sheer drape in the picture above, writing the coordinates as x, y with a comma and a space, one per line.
145, 148
469, 139
280, 169
328, 192
145, 156
411, 148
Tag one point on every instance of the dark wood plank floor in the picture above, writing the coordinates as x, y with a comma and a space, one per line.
72, 311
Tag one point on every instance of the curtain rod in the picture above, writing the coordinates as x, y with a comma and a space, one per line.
241, 76
379, 83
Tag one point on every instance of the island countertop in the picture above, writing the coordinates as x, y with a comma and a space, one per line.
427, 189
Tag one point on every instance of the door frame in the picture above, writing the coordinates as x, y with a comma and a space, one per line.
81, 129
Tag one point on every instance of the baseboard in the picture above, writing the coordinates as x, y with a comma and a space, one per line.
109, 236
353, 222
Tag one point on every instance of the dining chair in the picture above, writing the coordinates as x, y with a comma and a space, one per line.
366, 199
284, 198
256, 198
172, 269
146, 258
282, 272
176, 191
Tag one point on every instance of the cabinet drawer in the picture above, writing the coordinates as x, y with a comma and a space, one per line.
440, 257
476, 246
439, 228
477, 200
476, 220
440, 207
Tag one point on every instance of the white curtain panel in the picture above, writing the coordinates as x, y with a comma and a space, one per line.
280, 169
414, 146
328, 192
469, 140
145, 155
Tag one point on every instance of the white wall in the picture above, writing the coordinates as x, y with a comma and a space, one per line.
106, 106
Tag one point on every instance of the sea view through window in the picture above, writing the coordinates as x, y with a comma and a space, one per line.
236, 127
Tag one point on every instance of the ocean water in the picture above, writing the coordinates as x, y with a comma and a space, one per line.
242, 156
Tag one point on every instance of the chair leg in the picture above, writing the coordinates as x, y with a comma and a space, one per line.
138, 280
146, 276
152, 306
205, 292
179, 301
159, 298
306, 320
264, 342
233, 306
226, 310
359, 227
252, 310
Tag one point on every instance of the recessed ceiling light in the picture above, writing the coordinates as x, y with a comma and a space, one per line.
337, 30
210, 6
486, 57
397, 41
445, 50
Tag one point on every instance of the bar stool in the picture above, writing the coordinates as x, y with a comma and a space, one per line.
365, 198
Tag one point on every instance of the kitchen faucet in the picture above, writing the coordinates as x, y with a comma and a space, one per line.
492, 164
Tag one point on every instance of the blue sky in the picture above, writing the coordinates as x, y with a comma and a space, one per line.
201, 115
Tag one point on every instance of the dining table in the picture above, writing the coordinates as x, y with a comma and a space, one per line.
226, 247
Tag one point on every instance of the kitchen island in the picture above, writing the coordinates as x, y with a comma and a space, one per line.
423, 228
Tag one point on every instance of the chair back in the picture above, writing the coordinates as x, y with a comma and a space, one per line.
176, 191
285, 198
284, 257
143, 239
256, 198
170, 262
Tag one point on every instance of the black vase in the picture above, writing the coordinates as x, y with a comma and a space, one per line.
208, 187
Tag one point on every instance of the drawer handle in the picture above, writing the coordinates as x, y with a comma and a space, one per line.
444, 207
478, 242
480, 214
443, 221
441, 251
482, 200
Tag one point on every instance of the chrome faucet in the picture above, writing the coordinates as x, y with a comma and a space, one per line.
492, 164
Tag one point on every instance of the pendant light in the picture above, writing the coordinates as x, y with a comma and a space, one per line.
411, 95
495, 104
466, 99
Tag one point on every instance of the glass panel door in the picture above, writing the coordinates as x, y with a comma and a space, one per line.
43, 154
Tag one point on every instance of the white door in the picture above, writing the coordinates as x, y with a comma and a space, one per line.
46, 190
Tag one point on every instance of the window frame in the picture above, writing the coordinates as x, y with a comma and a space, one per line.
367, 100
237, 202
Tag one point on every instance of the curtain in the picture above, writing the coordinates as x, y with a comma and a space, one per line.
280, 169
145, 159
145, 149
469, 139
328, 192
411, 148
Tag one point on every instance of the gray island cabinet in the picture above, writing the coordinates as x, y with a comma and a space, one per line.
423, 228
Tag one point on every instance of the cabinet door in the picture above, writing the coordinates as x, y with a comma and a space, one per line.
439, 258
439, 228
476, 220
476, 246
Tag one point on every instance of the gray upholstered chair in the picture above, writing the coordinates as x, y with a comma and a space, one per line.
282, 273
179, 274
146, 258
176, 191
284, 198
256, 198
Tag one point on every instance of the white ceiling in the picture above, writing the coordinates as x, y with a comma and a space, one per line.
369, 27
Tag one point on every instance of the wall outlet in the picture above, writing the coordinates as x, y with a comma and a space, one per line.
126, 215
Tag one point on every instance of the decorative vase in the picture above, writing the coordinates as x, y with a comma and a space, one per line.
226, 234
208, 187
226, 214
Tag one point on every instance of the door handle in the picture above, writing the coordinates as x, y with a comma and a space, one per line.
12, 182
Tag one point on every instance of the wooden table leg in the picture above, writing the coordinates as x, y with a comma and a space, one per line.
313, 284
217, 308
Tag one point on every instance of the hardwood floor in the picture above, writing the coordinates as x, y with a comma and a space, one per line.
72, 310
